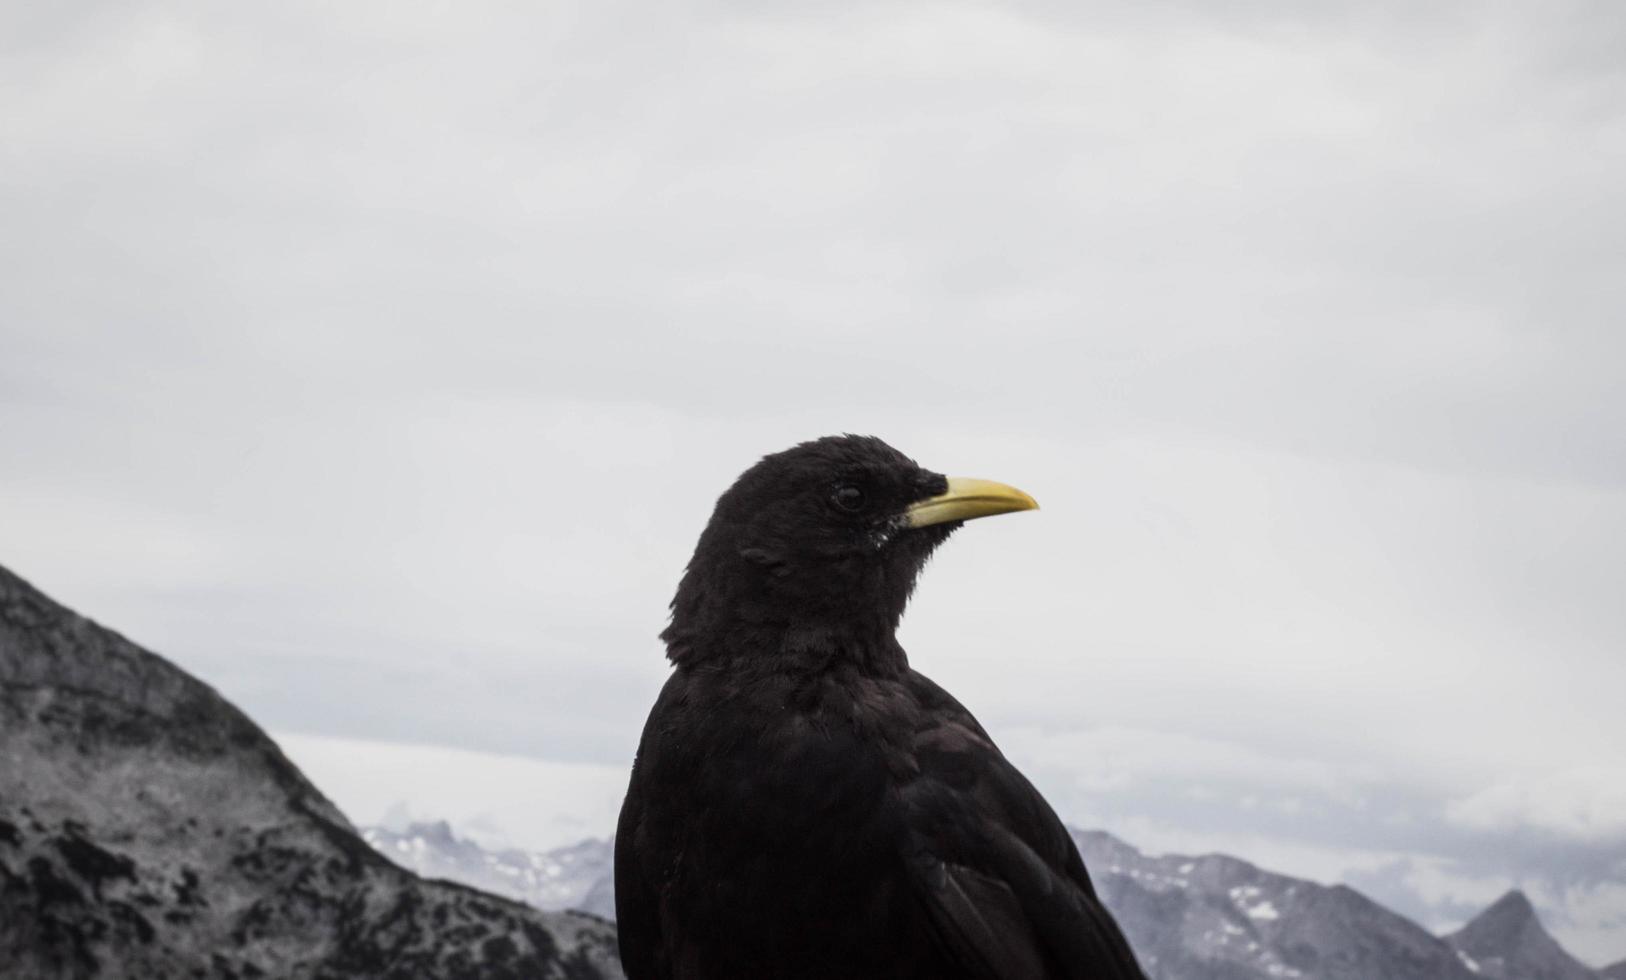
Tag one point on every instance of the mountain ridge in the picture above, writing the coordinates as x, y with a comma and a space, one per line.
1189, 917
1217, 916
148, 828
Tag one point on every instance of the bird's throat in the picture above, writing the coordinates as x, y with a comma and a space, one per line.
733, 643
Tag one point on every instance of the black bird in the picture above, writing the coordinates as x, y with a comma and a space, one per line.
803, 803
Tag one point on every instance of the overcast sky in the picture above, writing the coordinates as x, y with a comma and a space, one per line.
379, 363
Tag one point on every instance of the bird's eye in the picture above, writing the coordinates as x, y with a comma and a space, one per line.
848, 497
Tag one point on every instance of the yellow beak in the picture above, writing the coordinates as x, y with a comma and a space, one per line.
966, 499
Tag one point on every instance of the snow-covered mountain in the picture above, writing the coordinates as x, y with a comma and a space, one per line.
1190, 918
1507, 942
574, 877
149, 829
1218, 918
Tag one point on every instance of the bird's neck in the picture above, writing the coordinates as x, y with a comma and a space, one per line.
871, 648
868, 644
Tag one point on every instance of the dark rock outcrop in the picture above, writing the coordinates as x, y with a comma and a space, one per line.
149, 829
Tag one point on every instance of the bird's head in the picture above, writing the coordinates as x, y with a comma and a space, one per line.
820, 543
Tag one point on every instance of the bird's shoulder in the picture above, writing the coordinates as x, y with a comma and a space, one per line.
994, 866
965, 785
732, 745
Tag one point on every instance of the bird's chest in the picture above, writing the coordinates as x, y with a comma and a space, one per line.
784, 801
794, 770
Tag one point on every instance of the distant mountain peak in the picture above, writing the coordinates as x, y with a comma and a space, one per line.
1215, 916
1514, 908
1507, 941
576, 877
439, 831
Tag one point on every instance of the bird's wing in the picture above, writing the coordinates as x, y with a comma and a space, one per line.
637, 911
999, 877
644, 954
